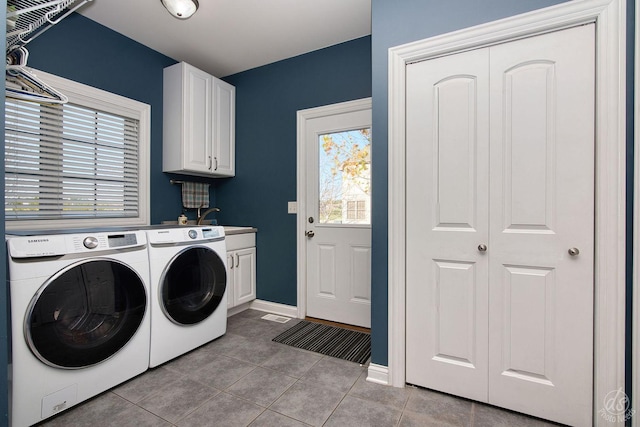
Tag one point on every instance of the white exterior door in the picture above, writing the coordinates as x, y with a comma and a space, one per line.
338, 220
500, 220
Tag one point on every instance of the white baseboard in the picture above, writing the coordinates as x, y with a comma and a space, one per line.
378, 374
275, 308
238, 309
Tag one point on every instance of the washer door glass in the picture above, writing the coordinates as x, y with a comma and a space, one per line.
193, 285
85, 314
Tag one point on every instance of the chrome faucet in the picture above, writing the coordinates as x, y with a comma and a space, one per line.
205, 213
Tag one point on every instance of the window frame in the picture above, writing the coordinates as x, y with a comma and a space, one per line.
101, 100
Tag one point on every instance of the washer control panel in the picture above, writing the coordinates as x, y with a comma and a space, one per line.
120, 240
63, 244
90, 242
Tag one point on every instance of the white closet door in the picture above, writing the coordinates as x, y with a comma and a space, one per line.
500, 224
542, 206
447, 208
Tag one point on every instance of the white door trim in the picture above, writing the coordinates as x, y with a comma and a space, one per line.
609, 16
301, 179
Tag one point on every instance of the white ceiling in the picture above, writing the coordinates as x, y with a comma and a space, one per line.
228, 36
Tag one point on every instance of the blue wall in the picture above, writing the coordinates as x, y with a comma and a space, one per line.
79, 49
631, 10
267, 99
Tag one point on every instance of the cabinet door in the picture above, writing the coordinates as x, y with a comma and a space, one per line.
224, 96
230, 280
198, 120
245, 275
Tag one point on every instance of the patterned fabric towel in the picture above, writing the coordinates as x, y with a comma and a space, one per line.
195, 194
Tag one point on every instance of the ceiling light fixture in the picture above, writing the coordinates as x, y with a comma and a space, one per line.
181, 9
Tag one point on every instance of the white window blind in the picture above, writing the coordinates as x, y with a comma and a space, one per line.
67, 161
76, 164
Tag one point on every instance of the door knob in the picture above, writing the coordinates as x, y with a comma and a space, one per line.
574, 251
309, 233
482, 247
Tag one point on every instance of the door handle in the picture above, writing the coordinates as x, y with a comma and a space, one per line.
309, 233
482, 247
574, 251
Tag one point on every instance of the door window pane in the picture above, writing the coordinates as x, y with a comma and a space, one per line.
345, 177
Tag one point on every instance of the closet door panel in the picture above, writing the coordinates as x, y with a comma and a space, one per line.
542, 206
447, 195
529, 146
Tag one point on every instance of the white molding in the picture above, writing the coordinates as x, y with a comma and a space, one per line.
301, 179
609, 16
378, 374
275, 308
635, 359
237, 309
102, 100
266, 306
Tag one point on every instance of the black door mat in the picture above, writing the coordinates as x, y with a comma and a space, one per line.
332, 341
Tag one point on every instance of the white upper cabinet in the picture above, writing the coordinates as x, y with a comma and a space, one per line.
198, 123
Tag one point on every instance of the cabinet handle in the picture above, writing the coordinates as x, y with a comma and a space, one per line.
231, 265
237, 260
216, 159
210, 163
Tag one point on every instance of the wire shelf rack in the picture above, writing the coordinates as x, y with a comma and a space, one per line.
26, 19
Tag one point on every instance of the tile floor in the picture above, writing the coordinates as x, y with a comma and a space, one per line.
245, 379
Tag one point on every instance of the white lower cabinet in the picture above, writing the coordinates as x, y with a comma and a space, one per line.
241, 269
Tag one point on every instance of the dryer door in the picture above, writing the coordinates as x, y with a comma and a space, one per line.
193, 285
85, 313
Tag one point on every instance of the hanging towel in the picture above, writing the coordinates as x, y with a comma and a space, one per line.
195, 194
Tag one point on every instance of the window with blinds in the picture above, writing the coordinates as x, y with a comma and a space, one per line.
72, 163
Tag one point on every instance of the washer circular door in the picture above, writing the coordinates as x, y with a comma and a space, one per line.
193, 285
85, 313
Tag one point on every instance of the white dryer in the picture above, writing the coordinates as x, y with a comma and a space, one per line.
188, 283
79, 318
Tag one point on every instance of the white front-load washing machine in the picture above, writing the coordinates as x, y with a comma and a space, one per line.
80, 318
188, 283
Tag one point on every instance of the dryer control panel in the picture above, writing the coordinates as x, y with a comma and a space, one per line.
183, 235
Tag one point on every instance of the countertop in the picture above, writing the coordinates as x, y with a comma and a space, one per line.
232, 229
